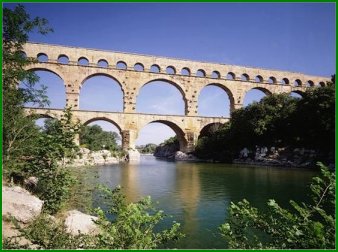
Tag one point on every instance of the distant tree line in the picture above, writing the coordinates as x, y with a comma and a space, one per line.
278, 120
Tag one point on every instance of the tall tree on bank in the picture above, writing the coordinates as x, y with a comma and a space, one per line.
18, 130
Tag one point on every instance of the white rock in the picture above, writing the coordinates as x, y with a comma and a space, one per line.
181, 156
77, 222
19, 203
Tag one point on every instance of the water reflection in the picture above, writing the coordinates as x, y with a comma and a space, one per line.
198, 194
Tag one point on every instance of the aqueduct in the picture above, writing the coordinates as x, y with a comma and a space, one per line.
132, 71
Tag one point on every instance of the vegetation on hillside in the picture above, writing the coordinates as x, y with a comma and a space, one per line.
278, 120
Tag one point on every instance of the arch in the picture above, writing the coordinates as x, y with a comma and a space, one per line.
121, 65
321, 83
264, 90
177, 129
106, 94
215, 75
63, 59
245, 77
309, 83
285, 81
40, 120
272, 80
259, 79
56, 87
139, 67
102, 124
227, 91
83, 61
299, 94
231, 76
200, 73
252, 95
102, 63
22, 54
208, 129
170, 70
297, 83
101, 74
185, 71
102, 118
49, 69
166, 81
42, 57
155, 69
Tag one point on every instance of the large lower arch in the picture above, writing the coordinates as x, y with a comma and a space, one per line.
101, 92
255, 95
210, 128
50, 69
212, 101
178, 131
161, 100
55, 87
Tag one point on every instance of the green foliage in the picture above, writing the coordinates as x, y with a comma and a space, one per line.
148, 148
171, 140
278, 120
307, 226
133, 226
19, 132
55, 144
46, 233
97, 139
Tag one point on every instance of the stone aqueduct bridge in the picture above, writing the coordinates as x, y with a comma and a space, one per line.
133, 71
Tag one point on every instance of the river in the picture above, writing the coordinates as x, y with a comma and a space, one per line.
198, 194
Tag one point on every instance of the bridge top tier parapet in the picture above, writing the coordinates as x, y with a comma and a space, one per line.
168, 66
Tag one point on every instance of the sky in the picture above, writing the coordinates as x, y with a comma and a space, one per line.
297, 37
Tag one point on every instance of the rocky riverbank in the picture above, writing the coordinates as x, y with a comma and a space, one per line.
24, 207
285, 157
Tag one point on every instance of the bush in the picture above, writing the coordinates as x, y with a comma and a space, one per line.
307, 226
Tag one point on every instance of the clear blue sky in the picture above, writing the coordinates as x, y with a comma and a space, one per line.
286, 36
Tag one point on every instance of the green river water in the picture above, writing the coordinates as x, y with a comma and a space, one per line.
198, 194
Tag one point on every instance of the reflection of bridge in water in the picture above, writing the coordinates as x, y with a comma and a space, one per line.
133, 71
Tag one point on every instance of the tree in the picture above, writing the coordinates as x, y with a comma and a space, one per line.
19, 133
95, 138
305, 226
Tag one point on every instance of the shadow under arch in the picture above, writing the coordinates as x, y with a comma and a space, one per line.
210, 128
227, 91
178, 131
170, 82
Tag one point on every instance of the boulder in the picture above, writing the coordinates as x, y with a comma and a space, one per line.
77, 222
19, 203
181, 156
